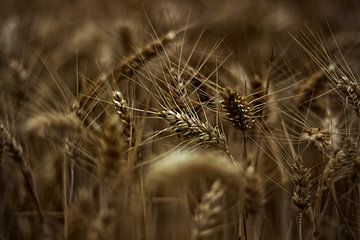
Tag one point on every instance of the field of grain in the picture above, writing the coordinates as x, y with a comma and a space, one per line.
179, 120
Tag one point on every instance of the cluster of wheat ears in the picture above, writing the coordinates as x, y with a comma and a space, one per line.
175, 140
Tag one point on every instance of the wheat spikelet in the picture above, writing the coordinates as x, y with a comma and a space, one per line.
188, 88
238, 109
313, 85
178, 89
352, 91
339, 165
13, 151
115, 181
122, 108
321, 138
208, 214
303, 192
125, 69
19, 69
53, 123
192, 128
113, 143
254, 195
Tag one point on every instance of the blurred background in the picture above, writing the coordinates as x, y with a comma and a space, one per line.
250, 30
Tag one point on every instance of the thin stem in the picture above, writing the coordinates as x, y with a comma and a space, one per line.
244, 226
245, 149
300, 222
65, 198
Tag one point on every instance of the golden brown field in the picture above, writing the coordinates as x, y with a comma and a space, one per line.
164, 120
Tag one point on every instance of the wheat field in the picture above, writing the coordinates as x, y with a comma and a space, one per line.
179, 120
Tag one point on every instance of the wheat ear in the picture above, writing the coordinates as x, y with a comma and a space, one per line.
113, 144
239, 111
122, 109
321, 138
313, 84
53, 123
351, 90
254, 194
339, 165
125, 68
303, 191
209, 212
193, 128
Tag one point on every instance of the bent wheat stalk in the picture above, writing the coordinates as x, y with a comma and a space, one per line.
14, 151
182, 165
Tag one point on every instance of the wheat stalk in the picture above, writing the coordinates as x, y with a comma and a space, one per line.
14, 151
